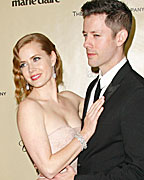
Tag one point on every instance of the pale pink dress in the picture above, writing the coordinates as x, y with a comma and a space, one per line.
60, 138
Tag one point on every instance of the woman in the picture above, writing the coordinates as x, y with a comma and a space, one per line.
48, 121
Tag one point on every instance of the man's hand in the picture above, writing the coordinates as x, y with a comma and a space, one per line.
67, 175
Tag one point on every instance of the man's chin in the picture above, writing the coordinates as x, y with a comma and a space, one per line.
92, 64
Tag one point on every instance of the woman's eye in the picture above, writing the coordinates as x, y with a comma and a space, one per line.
36, 59
23, 65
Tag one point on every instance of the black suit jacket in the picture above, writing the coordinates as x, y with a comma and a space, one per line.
116, 150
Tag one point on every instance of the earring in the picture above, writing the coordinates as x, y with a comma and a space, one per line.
54, 72
27, 87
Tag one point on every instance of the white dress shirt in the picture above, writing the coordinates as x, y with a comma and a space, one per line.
105, 80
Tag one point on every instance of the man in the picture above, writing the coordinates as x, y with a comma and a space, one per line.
116, 150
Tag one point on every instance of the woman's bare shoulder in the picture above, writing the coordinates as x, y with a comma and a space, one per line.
28, 104
71, 95
29, 107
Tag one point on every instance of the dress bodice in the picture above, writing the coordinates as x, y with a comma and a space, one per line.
61, 137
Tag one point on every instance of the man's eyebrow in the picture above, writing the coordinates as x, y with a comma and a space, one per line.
90, 32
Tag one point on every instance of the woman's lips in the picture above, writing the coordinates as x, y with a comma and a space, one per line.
35, 77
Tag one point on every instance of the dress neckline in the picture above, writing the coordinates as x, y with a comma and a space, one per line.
62, 127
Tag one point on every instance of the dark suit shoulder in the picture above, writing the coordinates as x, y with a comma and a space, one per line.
130, 77
137, 78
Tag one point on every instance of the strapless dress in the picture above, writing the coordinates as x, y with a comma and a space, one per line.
61, 137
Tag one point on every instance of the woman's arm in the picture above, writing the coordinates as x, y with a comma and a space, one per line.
33, 132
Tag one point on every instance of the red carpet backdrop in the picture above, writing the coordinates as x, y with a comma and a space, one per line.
61, 21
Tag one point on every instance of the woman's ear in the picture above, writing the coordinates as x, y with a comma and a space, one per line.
53, 58
121, 37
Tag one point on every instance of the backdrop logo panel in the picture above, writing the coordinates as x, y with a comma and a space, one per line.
62, 22
32, 2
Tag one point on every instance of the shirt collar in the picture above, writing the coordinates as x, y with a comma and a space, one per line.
106, 79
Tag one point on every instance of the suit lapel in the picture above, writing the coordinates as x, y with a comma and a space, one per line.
110, 91
116, 82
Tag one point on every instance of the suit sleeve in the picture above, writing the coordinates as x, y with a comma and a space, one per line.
132, 128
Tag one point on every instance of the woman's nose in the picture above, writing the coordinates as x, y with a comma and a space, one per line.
31, 67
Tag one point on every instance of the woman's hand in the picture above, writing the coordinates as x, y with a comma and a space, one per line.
90, 121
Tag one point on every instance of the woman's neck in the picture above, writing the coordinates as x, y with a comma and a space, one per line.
46, 92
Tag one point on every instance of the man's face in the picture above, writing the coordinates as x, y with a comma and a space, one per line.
101, 46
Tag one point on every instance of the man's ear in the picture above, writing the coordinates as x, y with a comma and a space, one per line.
53, 58
121, 37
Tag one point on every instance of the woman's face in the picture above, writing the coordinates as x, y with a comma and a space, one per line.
35, 64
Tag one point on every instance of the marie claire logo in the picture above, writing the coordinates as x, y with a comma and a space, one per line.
32, 2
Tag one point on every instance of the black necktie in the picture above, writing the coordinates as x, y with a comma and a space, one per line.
97, 92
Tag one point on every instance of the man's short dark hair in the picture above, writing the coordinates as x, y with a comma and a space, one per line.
118, 14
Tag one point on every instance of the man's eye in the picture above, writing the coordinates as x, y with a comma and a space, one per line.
23, 65
85, 35
96, 35
36, 59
